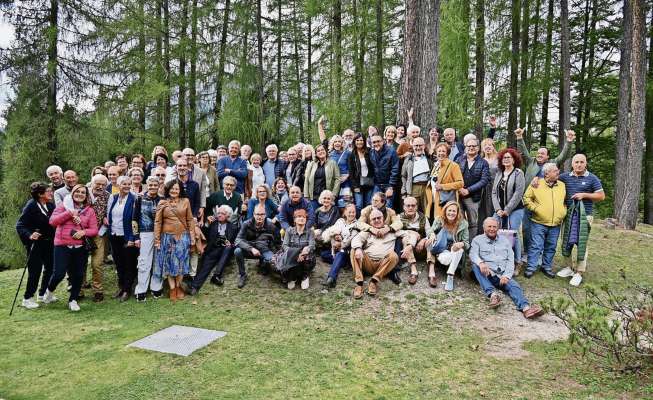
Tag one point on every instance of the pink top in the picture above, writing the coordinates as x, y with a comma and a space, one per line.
62, 220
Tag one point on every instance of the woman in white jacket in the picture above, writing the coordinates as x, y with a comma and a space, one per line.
340, 235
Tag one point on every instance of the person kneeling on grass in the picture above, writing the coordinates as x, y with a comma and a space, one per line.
373, 253
493, 264
257, 239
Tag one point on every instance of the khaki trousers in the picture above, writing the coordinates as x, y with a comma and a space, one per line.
377, 268
97, 259
569, 261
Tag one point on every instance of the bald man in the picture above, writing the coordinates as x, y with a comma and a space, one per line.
373, 254
582, 188
493, 264
70, 180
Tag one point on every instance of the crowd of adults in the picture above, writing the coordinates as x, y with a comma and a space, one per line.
374, 203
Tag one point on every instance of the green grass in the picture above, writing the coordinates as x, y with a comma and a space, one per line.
322, 345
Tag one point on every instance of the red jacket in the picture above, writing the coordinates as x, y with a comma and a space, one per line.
62, 220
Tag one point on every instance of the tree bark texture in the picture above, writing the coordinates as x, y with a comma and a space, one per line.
479, 100
648, 174
380, 115
514, 73
565, 74
52, 69
220, 77
546, 87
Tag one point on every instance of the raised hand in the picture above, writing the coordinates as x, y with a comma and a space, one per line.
571, 135
519, 133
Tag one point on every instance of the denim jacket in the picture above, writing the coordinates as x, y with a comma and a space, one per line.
145, 212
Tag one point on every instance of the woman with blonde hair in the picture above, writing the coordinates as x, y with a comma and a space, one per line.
262, 195
450, 237
446, 178
489, 154
308, 154
205, 163
136, 174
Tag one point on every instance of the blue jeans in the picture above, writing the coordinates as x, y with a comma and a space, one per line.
543, 243
362, 199
383, 188
241, 255
514, 221
492, 282
440, 243
340, 260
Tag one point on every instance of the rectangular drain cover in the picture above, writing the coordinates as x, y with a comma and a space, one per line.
177, 339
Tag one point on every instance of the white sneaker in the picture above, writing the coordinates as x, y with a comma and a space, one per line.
291, 285
565, 272
576, 279
305, 284
73, 306
39, 299
30, 304
49, 297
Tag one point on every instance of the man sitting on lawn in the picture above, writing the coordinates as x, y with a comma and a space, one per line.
493, 263
373, 252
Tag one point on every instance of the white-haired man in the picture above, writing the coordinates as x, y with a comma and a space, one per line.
233, 165
273, 166
55, 175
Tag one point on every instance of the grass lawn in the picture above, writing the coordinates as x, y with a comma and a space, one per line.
410, 342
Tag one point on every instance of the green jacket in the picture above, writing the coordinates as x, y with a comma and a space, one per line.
531, 168
583, 235
332, 173
462, 233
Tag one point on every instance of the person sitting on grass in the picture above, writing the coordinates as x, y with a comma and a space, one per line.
326, 215
220, 249
294, 202
297, 259
339, 236
257, 239
450, 237
372, 252
415, 242
493, 264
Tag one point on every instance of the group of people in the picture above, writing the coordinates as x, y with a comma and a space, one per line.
374, 203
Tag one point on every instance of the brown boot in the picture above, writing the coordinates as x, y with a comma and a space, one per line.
433, 281
358, 291
495, 300
517, 269
412, 279
180, 293
173, 294
533, 311
372, 287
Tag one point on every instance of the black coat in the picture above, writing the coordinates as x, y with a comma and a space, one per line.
212, 236
355, 168
32, 219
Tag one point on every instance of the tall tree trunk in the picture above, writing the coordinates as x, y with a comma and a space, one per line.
359, 60
220, 78
533, 64
141, 67
159, 66
419, 75
337, 59
309, 71
546, 87
380, 114
53, 61
259, 74
278, 105
192, 100
630, 114
514, 73
182, 74
565, 74
524, 97
480, 68
648, 172
582, 80
167, 132
298, 76
587, 114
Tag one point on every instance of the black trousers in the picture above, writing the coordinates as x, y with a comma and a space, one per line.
40, 260
71, 261
215, 257
126, 260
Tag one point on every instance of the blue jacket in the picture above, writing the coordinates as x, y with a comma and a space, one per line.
238, 169
127, 215
287, 209
145, 212
386, 166
475, 178
271, 209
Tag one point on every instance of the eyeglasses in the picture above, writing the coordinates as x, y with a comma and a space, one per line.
189, 155
471, 146
410, 205
377, 141
375, 218
228, 184
159, 174
259, 215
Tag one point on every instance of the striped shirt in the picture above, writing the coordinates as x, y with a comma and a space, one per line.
586, 183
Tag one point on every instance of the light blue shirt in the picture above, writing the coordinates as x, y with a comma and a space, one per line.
268, 171
496, 253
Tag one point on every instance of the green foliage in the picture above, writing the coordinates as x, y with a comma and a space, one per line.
616, 326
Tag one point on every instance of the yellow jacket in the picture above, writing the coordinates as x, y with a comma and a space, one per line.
547, 203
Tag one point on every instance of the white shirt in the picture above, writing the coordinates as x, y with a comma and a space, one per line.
116, 217
364, 170
258, 177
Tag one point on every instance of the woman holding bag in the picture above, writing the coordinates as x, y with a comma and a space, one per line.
507, 192
446, 179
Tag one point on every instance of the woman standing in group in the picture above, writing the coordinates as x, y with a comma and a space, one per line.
433, 141
486, 208
173, 237
297, 259
211, 174
340, 155
449, 235
75, 222
255, 174
507, 193
321, 174
279, 191
446, 179
361, 173
137, 176
153, 162
308, 154
262, 195
35, 232
122, 237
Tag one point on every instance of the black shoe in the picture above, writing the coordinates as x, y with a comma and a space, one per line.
157, 294
549, 274
264, 269
217, 280
394, 277
140, 298
242, 281
192, 292
329, 282
528, 274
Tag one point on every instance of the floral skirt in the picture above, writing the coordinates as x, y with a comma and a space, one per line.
173, 257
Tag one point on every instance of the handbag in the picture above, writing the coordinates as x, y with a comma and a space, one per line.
367, 182
447, 196
510, 234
